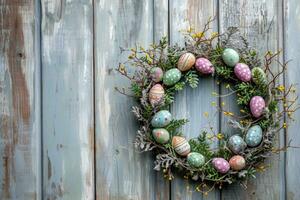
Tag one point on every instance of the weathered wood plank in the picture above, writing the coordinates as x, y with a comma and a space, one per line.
126, 173
260, 22
67, 84
292, 52
19, 101
192, 103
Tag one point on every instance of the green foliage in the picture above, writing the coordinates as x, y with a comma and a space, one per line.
174, 125
259, 76
200, 145
179, 86
136, 89
224, 72
191, 77
245, 91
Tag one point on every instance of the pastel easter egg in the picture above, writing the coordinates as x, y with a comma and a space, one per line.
161, 119
237, 162
257, 106
259, 77
230, 57
195, 159
156, 74
236, 144
156, 94
204, 66
254, 136
171, 76
221, 165
161, 135
181, 146
186, 62
242, 72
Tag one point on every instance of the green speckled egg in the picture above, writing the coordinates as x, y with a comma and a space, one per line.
195, 159
161, 119
172, 76
230, 57
161, 135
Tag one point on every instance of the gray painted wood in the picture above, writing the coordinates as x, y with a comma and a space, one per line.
122, 173
292, 52
67, 80
192, 103
260, 22
19, 101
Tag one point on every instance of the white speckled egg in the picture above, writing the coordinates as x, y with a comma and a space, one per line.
254, 136
171, 76
257, 106
156, 94
204, 66
156, 74
186, 62
237, 162
242, 72
236, 144
221, 165
181, 145
161, 119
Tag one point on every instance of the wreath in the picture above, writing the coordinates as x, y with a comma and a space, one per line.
265, 105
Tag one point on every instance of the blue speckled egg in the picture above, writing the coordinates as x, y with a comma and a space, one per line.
230, 57
236, 144
161, 119
171, 76
254, 136
195, 159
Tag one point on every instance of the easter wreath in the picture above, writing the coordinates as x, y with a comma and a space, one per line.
163, 69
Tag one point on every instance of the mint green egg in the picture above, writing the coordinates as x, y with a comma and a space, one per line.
230, 57
161, 119
172, 76
254, 136
195, 159
161, 135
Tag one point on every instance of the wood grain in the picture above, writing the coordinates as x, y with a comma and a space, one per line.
193, 103
19, 102
68, 126
260, 22
292, 52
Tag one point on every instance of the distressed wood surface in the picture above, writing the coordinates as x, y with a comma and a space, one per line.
192, 103
261, 24
292, 52
67, 80
19, 101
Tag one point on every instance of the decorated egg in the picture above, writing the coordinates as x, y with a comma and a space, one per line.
230, 57
221, 165
242, 72
195, 159
181, 146
204, 66
236, 144
259, 76
156, 74
171, 76
161, 119
156, 94
237, 162
186, 62
161, 135
254, 136
257, 106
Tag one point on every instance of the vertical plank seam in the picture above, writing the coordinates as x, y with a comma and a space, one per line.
94, 103
39, 17
285, 132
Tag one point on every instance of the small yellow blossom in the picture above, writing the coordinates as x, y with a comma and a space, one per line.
220, 136
205, 114
213, 103
209, 136
214, 34
223, 103
228, 113
214, 94
284, 125
198, 35
242, 111
281, 88
227, 86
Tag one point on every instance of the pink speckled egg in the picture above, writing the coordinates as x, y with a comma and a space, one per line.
156, 94
257, 106
221, 165
237, 162
204, 66
242, 72
156, 74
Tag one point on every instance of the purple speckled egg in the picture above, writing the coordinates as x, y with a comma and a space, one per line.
242, 72
156, 74
204, 66
257, 106
221, 165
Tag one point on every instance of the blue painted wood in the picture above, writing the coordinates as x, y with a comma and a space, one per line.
19, 101
67, 79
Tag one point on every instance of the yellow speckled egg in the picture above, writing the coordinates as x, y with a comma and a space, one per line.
181, 145
186, 62
237, 162
156, 94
